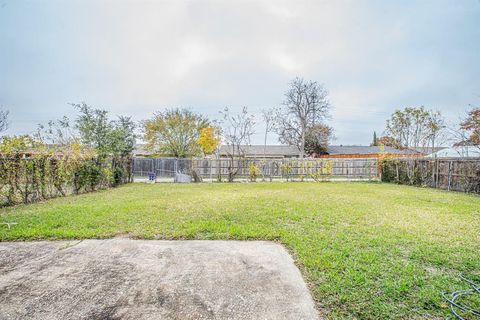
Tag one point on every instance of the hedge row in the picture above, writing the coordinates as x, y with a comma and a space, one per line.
44, 177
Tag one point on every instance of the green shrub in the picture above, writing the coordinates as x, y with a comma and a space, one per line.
254, 172
42, 176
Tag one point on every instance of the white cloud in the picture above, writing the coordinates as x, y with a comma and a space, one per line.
135, 57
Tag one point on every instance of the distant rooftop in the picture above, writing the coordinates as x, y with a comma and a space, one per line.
269, 150
292, 151
459, 151
428, 150
341, 149
285, 151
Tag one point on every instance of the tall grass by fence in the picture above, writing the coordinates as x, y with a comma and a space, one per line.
258, 169
459, 174
40, 178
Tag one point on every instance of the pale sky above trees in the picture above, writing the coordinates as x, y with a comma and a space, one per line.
137, 57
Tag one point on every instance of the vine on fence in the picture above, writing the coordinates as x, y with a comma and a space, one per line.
317, 170
451, 174
322, 173
46, 174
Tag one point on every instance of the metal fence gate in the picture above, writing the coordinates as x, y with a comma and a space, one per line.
161, 167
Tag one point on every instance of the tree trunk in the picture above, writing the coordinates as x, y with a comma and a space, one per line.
264, 155
265, 146
302, 144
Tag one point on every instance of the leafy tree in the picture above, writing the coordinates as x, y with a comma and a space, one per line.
209, 139
3, 120
108, 137
306, 105
94, 128
11, 146
471, 126
175, 132
318, 138
415, 127
114, 138
122, 136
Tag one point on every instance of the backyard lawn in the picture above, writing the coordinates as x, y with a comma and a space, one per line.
368, 250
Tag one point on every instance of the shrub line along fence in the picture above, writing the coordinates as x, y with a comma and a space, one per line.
26, 180
457, 174
40, 178
269, 169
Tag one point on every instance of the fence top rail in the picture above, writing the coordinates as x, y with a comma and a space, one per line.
55, 158
260, 159
288, 159
163, 158
438, 159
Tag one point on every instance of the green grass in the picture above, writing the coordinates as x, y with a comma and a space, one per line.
368, 250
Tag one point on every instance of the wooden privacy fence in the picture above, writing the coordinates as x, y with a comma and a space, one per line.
459, 174
269, 169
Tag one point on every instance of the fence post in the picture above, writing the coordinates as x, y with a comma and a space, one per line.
211, 173
437, 173
397, 172
449, 175
433, 171
131, 163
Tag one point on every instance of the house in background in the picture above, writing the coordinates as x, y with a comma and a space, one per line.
292, 152
252, 151
455, 152
341, 151
334, 151
140, 151
262, 151
428, 150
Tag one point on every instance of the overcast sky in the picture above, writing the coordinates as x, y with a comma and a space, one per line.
135, 57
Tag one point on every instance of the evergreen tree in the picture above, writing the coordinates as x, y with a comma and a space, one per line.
375, 140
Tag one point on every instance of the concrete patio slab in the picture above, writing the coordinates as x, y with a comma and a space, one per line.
149, 279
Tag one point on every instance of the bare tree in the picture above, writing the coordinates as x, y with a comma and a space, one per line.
268, 116
3, 120
237, 130
306, 105
57, 132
